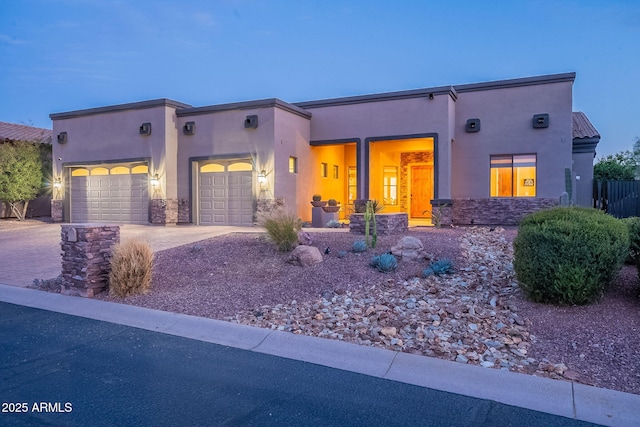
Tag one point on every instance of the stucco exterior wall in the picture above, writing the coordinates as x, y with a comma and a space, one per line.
291, 139
506, 116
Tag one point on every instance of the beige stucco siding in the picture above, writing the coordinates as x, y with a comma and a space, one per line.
506, 128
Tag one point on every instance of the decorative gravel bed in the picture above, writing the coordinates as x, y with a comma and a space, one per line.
477, 315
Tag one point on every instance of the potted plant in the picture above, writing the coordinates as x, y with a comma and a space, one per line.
316, 201
334, 206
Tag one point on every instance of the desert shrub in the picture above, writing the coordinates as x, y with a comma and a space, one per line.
131, 268
334, 224
384, 263
567, 255
438, 267
633, 227
359, 246
282, 228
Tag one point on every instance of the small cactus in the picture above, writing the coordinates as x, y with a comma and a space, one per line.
332, 202
359, 246
342, 254
316, 197
334, 224
427, 272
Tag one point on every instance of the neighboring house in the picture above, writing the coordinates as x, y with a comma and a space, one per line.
483, 153
10, 132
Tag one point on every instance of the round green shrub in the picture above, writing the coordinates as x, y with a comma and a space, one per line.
633, 226
567, 255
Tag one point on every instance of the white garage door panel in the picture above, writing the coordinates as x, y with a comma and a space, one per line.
110, 198
226, 198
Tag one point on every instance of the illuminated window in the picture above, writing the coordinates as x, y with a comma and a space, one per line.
513, 176
140, 169
335, 171
324, 170
120, 170
80, 172
240, 167
212, 167
390, 185
293, 165
352, 187
99, 171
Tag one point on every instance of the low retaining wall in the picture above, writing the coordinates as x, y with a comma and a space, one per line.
386, 223
497, 211
86, 257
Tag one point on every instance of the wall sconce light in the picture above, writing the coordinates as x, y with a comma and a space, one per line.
62, 138
473, 125
189, 128
251, 122
262, 180
57, 184
155, 181
540, 121
431, 96
145, 129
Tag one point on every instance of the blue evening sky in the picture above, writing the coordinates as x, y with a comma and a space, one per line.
62, 55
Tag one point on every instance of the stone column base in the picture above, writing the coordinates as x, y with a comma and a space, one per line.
164, 211
57, 210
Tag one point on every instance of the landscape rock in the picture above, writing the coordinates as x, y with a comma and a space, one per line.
304, 238
305, 256
409, 249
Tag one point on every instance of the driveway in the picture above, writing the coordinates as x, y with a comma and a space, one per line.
33, 251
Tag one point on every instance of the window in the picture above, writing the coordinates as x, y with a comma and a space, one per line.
390, 185
335, 171
293, 165
324, 170
352, 187
513, 175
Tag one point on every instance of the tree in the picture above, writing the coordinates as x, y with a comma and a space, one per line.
20, 175
619, 166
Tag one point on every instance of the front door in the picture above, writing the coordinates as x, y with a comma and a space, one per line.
421, 191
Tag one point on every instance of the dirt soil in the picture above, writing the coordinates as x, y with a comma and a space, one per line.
239, 273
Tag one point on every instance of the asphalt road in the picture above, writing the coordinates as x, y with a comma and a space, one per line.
71, 370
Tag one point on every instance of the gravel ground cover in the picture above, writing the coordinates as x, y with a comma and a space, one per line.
477, 315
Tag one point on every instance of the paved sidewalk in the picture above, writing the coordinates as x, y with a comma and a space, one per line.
33, 251
565, 400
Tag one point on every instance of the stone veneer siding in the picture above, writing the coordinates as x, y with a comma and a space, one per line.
164, 211
264, 206
57, 210
386, 223
86, 257
497, 211
184, 210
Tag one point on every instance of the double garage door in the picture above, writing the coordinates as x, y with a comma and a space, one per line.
110, 194
225, 194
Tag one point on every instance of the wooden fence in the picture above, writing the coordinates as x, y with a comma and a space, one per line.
620, 199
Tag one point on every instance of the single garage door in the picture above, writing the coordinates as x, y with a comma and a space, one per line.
225, 194
110, 194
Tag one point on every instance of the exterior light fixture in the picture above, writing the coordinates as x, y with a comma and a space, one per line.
57, 184
473, 125
145, 129
262, 180
155, 181
62, 138
541, 121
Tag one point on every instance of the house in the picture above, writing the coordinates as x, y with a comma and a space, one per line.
10, 132
482, 153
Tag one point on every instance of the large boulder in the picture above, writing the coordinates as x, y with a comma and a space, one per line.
305, 256
409, 249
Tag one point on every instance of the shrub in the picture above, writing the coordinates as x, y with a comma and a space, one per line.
384, 263
441, 266
131, 268
567, 255
334, 224
633, 227
359, 246
282, 228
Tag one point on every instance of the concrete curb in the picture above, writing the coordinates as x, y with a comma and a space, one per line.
596, 405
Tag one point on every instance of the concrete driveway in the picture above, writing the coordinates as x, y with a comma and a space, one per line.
33, 251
